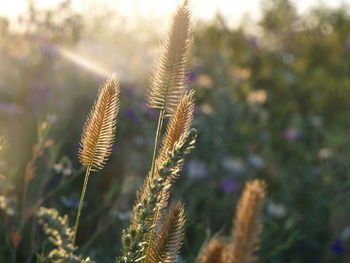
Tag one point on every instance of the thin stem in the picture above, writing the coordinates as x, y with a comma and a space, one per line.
156, 141
26, 182
87, 174
158, 133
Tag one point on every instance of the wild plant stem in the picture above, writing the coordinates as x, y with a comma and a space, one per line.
156, 140
158, 133
82, 195
25, 186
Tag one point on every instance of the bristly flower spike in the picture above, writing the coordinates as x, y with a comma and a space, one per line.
179, 124
98, 135
168, 83
100, 127
247, 225
212, 252
170, 236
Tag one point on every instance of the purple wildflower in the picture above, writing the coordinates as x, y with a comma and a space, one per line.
153, 114
229, 185
346, 45
48, 49
190, 77
131, 115
196, 110
115, 147
337, 247
10, 108
39, 95
291, 134
130, 93
251, 41
76, 147
45, 46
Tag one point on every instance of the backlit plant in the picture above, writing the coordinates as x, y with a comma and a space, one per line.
156, 230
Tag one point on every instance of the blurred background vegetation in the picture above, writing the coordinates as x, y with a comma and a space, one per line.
272, 103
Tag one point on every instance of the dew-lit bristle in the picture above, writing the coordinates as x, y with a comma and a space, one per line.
247, 225
168, 84
100, 127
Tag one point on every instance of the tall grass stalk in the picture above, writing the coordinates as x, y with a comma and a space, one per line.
98, 136
169, 83
81, 201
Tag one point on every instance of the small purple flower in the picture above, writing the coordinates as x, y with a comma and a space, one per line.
190, 77
76, 147
131, 115
115, 147
251, 41
149, 112
49, 49
130, 93
229, 186
10, 108
40, 92
197, 110
291, 134
337, 247
45, 46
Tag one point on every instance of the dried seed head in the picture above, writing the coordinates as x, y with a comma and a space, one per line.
179, 124
212, 252
100, 127
170, 236
247, 225
168, 83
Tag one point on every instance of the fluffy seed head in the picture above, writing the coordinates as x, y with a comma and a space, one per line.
212, 252
100, 127
170, 236
179, 124
168, 83
247, 225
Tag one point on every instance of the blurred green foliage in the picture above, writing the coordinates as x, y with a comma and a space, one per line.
272, 104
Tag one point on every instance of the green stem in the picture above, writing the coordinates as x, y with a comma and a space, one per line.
87, 174
158, 133
156, 141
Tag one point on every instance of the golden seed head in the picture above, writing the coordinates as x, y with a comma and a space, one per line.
179, 124
168, 83
212, 252
247, 225
100, 127
170, 236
